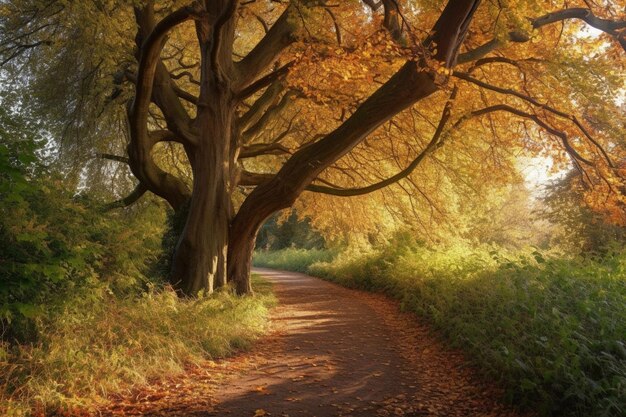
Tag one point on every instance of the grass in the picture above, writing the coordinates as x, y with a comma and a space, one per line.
551, 329
292, 259
101, 344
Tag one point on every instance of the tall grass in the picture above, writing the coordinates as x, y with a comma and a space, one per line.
101, 344
549, 328
293, 259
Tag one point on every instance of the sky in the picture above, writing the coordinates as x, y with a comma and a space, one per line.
538, 172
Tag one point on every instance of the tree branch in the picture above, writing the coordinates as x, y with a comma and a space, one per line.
279, 37
467, 77
269, 115
259, 149
560, 134
111, 157
434, 144
143, 166
607, 26
130, 199
269, 97
165, 93
264, 81
411, 83
373, 4
250, 179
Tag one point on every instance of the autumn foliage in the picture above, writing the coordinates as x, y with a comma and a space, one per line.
236, 110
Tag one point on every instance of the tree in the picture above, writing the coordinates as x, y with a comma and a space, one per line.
214, 83
579, 228
289, 231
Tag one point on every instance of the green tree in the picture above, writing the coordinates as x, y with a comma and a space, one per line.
290, 231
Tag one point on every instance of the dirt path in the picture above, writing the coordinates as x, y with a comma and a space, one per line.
335, 352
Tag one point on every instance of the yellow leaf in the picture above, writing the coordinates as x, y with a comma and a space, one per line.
260, 413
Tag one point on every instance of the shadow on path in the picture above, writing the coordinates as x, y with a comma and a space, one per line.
340, 352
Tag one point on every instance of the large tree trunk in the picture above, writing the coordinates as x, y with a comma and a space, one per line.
200, 257
243, 232
240, 250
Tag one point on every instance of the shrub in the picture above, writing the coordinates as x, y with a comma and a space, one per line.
292, 259
549, 327
53, 243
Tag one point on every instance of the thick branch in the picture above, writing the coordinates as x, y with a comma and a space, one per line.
185, 95
279, 37
393, 19
249, 179
449, 32
130, 199
259, 149
157, 136
480, 51
433, 145
141, 162
609, 27
586, 15
165, 95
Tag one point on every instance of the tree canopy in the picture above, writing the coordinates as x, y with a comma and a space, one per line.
233, 110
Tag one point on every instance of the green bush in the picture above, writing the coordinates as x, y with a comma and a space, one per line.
551, 329
53, 242
280, 232
292, 259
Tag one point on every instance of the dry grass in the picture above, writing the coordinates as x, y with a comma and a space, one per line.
101, 344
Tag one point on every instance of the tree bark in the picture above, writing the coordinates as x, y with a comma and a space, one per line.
240, 251
200, 256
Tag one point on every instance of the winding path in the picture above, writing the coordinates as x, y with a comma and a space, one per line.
345, 352
338, 352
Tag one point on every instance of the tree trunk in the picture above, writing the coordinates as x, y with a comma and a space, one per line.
240, 250
200, 257
201, 251
267, 200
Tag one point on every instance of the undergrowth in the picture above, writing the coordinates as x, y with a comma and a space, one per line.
549, 328
101, 344
293, 259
